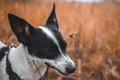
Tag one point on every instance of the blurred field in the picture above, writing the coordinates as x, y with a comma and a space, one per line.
91, 30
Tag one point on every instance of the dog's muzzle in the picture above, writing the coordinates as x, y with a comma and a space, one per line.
63, 65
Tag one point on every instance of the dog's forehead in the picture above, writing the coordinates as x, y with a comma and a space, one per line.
50, 34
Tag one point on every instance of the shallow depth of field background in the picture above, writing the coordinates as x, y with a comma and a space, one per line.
92, 31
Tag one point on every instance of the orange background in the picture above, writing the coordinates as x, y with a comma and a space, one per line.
92, 31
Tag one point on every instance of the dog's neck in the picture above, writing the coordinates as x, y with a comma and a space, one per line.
22, 64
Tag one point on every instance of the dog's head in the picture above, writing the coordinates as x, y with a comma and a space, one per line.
44, 42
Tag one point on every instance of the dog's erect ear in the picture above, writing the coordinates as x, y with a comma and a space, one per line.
21, 28
52, 19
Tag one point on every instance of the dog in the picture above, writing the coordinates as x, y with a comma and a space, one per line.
43, 44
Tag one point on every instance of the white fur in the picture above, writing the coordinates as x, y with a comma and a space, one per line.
18, 58
2, 44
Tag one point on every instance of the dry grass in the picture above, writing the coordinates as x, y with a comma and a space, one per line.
91, 30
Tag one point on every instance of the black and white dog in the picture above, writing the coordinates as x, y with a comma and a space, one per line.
44, 44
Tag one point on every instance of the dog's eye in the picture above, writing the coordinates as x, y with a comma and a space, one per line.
63, 45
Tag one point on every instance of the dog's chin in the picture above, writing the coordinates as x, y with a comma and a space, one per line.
60, 72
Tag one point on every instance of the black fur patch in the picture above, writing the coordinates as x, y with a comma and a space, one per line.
42, 46
3, 51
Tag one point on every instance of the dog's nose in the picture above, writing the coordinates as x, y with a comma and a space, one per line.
70, 68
